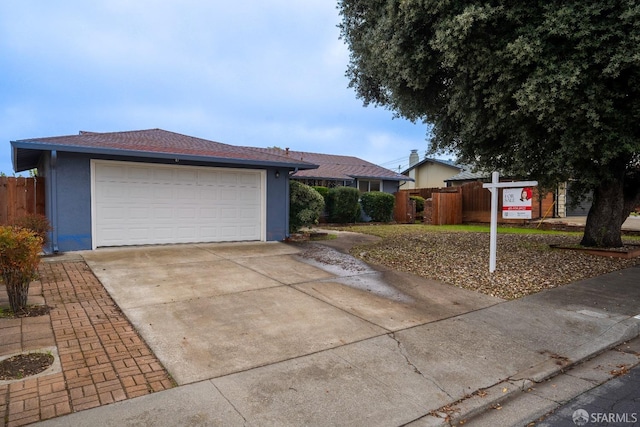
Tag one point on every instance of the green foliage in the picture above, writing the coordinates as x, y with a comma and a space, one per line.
305, 206
378, 205
19, 258
419, 203
541, 90
342, 205
324, 191
38, 224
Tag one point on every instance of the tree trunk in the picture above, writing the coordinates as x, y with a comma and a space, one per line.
606, 216
17, 289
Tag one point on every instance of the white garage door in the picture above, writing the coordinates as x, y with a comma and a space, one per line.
139, 204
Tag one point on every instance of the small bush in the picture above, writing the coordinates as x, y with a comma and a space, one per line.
419, 203
19, 258
305, 206
342, 205
37, 223
378, 205
324, 191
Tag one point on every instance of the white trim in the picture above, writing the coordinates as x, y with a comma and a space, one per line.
93, 204
263, 204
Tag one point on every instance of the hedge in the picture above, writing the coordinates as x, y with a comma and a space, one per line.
378, 206
305, 206
342, 205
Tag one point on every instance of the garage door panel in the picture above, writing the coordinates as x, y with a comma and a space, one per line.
247, 195
111, 190
229, 179
248, 214
186, 177
186, 232
138, 174
137, 191
162, 213
185, 214
209, 213
208, 178
189, 194
163, 233
113, 173
139, 213
109, 213
248, 180
146, 204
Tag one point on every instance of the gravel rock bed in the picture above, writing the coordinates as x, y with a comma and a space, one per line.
525, 262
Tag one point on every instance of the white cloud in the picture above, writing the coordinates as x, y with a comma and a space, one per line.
244, 72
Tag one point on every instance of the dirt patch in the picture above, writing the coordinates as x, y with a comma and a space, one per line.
525, 262
29, 311
24, 365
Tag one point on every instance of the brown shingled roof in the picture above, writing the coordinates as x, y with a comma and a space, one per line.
336, 167
157, 141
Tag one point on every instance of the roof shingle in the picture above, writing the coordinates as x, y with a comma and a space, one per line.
335, 167
154, 142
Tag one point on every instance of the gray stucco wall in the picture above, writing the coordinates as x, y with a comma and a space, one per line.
69, 187
73, 191
277, 204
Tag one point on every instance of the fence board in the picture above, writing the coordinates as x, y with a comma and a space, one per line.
404, 208
476, 203
20, 196
447, 208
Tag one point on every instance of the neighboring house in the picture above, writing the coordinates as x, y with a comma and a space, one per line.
466, 176
154, 187
347, 171
427, 173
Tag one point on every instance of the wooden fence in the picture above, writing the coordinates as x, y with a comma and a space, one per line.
470, 203
19, 197
446, 208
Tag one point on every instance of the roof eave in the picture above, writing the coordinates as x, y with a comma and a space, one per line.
18, 145
434, 161
383, 178
332, 178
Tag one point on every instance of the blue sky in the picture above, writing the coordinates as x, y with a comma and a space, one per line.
257, 73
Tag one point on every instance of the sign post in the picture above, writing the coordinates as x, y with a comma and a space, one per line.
520, 209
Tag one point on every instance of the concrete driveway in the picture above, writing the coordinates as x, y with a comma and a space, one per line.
210, 310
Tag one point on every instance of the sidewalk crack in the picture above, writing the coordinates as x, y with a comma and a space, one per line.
246, 422
404, 354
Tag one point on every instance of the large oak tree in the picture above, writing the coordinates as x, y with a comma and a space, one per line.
547, 90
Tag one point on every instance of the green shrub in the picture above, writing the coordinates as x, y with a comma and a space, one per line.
19, 258
305, 206
324, 191
378, 206
342, 205
37, 223
419, 203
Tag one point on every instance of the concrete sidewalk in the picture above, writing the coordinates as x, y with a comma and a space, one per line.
431, 371
632, 223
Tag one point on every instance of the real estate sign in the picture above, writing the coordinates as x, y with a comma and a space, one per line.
522, 187
516, 203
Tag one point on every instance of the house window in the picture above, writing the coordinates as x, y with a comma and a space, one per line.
367, 186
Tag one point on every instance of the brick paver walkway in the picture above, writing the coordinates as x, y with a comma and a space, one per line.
102, 357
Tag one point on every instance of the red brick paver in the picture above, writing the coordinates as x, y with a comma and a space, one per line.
103, 358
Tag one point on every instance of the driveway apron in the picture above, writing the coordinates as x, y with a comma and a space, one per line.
210, 310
